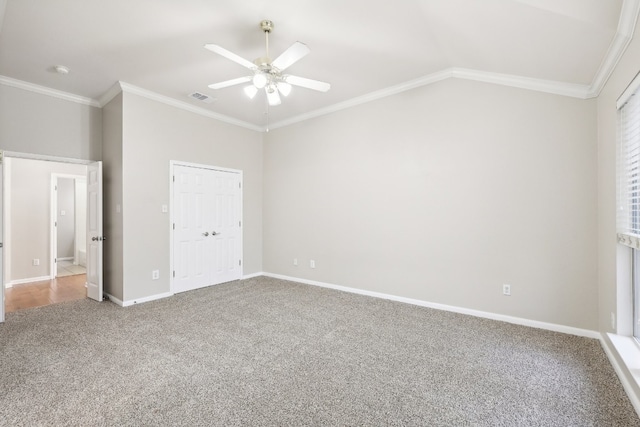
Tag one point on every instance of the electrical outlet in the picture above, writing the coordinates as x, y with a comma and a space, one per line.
295, 261
36, 261
312, 264
155, 274
506, 290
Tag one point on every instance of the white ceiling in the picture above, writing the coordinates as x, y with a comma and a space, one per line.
361, 47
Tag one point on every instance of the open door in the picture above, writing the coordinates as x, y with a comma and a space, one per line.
94, 231
1, 240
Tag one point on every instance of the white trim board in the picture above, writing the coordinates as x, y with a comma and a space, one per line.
618, 46
127, 88
44, 157
628, 352
461, 310
27, 280
129, 303
43, 90
538, 85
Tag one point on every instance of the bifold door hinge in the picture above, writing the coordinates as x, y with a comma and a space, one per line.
174, 273
174, 178
239, 262
174, 225
239, 223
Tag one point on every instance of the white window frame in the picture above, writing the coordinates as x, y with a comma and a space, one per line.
628, 212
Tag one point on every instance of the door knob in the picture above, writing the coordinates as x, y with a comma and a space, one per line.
205, 234
213, 233
94, 238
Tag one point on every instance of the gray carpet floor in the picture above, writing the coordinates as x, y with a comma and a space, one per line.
269, 352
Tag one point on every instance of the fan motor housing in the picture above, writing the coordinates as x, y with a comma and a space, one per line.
266, 25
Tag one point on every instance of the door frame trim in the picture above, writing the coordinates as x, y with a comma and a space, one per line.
19, 155
172, 165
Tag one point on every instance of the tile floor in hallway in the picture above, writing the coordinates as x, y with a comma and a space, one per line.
68, 268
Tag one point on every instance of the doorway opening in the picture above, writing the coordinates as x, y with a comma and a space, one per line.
68, 222
32, 243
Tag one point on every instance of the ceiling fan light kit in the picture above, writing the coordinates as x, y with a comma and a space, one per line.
267, 74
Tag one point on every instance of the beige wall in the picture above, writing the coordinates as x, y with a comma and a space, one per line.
443, 194
40, 124
66, 238
112, 199
30, 207
153, 135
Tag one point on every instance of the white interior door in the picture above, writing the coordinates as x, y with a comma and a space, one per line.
206, 230
191, 250
1, 244
225, 230
94, 231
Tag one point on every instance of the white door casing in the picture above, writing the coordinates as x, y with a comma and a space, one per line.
207, 234
94, 231
5, 156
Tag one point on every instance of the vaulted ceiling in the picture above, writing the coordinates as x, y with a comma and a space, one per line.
363, 48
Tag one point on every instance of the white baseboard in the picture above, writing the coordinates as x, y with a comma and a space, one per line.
27, 280
114, 300
484, 314
66, 258
138, 300
252, 275
629, 353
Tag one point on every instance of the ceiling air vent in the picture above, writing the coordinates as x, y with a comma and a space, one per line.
201, 97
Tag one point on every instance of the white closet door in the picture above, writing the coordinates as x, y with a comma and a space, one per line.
226, 227
205, 244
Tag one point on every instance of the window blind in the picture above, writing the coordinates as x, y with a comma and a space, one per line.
628, 172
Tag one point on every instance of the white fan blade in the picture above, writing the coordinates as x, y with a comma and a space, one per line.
308, 83
273, 98
293, 54
231, 82
230, 55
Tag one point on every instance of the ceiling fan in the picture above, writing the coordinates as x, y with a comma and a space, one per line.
267, 74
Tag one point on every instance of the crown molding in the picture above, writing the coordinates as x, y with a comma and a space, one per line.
43, 90
110, 94
128, 88
538, 85
619, 44
372, 96
626, 26
547, 86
